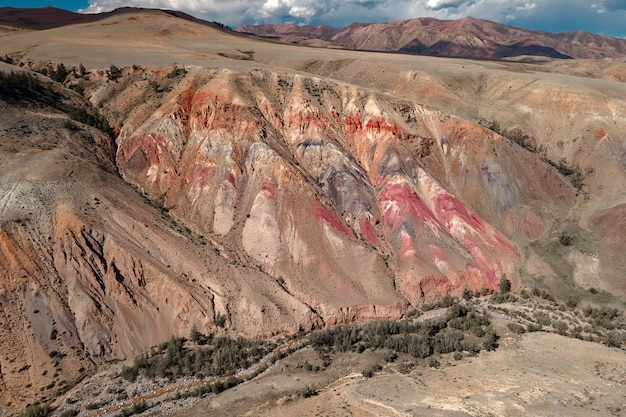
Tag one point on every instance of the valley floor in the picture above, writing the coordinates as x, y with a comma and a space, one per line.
533, 374
546, 371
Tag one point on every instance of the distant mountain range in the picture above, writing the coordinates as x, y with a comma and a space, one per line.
464, 38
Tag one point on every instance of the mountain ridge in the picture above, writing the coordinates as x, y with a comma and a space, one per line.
463, 38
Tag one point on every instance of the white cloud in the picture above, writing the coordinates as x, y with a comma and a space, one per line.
602, 16
448, 4
526, 7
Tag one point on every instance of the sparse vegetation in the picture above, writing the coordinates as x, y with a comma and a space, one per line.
91, 118
79, 88
26, 89
572, 172
176, 72
220, 320
371, 370
137, 408
37, 410
505, 285
433, 362
21, 87
220, 24
462, 330
306, 392
516, 135
566, 239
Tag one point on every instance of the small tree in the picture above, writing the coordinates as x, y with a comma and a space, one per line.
613, 339
220, 320
491, 341
194, 335
113, 73
60, 74
505, 285
467, 294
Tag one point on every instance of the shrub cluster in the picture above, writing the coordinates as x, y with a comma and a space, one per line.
221, 356
91, 118
37, 410
606, 317
137, 408
23, 88
461, 329
572, 172
176, 72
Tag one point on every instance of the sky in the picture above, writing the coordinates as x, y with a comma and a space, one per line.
607, 17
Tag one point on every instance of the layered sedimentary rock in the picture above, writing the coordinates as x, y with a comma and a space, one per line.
342, 194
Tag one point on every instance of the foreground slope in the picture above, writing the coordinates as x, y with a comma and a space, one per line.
90, 271
285, 188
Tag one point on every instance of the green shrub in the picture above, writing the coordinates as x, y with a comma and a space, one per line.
37, 410
306, 392
614, 339
516, 328
491, 341
176, 72
129, 373
22, 87
137, 408
220, 320
432, 362
505, 285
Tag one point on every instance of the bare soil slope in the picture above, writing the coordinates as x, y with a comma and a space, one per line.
285, 188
